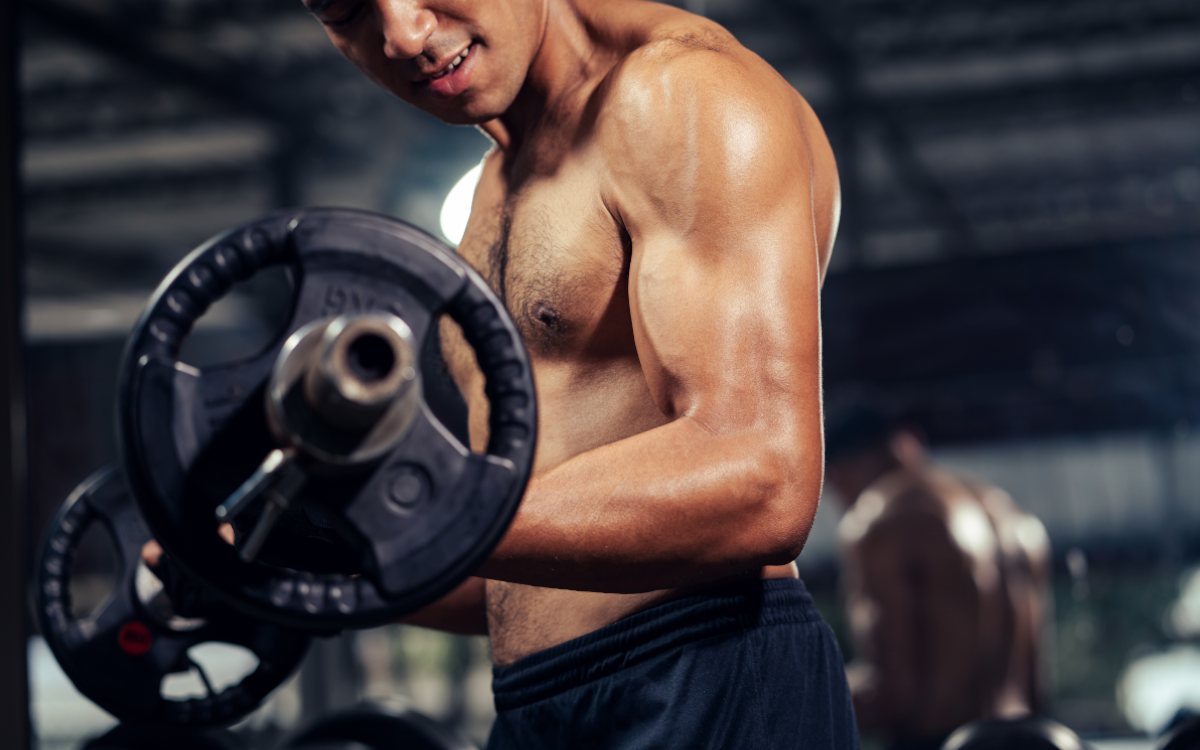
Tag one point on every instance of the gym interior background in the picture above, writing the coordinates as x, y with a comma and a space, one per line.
1016, 270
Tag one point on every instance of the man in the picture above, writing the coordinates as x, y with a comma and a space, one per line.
657, 213
945, 581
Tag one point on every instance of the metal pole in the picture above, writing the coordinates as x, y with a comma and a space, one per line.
331, 677
14, 685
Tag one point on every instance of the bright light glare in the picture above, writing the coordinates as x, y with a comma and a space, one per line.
1153, 688
1184, 614
223, 663
457, 207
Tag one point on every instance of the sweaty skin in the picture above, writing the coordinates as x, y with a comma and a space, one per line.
657, 214
945, 583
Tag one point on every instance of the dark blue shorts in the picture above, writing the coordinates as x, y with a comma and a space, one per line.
746, 665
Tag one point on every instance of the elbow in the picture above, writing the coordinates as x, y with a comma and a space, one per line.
785, 542
790, 486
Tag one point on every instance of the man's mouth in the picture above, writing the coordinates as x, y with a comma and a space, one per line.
453, 79
453, 64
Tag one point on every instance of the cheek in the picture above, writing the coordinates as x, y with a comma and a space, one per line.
505, 74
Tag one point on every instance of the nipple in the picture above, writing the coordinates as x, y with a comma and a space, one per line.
546, 315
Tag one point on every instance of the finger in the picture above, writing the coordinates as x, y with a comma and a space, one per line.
152, 552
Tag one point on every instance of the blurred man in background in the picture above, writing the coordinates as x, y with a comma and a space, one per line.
945, 581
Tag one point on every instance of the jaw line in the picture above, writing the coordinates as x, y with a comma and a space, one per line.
542, 36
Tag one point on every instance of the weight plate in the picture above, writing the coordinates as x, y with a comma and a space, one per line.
353, 549
118, 655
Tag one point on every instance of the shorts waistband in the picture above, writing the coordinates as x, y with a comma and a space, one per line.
722, 610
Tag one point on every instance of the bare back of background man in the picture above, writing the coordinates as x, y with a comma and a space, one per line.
945, 583
657, 214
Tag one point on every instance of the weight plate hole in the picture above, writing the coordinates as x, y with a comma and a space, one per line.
370, 358
221, 664
94, 573
248, 320
445, 400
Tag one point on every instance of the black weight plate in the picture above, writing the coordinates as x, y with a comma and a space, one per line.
353, 550
119, 655
1184, 733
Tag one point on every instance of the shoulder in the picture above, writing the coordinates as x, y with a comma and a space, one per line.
698, 76
901, 505
1021, 533
690, 120
684, 54
684, 116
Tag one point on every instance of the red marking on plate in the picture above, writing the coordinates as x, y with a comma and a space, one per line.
134, 638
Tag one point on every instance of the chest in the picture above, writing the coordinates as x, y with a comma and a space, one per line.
552, 251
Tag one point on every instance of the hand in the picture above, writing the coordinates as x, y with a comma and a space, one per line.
152, 551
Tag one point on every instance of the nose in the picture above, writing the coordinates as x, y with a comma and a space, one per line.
406, 27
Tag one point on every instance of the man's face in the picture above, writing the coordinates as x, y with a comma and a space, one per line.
409, 47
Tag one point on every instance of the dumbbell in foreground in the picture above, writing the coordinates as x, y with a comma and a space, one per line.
351, 503
119, 655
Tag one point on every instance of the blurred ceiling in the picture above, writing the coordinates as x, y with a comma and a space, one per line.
152, 124
960, 128
965, 133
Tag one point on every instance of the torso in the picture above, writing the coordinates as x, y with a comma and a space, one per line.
542, 236
961, 590
560, 263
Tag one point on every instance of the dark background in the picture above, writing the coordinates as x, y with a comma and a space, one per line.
1016, 269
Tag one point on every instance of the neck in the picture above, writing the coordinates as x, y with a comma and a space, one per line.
562, 64
854, 475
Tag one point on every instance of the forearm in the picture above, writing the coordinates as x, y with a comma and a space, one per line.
670, 507
462, 611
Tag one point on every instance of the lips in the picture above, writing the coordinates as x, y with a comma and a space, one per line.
453, 79
453, 64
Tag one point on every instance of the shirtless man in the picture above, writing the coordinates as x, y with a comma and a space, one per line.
657, 213
945, 581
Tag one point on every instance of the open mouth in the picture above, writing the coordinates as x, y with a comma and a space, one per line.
455, 77
453, 66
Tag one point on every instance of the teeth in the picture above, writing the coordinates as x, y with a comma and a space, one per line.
453, 65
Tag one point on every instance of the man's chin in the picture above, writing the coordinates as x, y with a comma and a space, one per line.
463, 118
469, 108
468, 113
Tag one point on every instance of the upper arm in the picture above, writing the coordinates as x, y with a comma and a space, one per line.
716, 191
